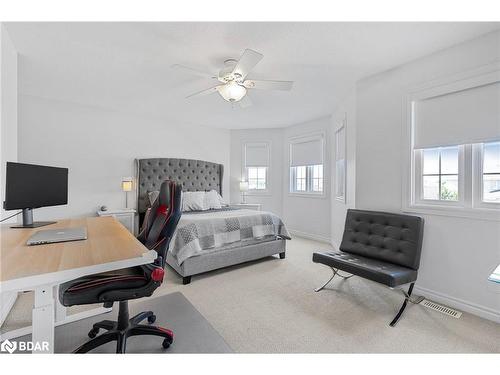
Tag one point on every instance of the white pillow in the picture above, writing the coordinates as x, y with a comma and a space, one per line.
221, 200
193, 200
212, 200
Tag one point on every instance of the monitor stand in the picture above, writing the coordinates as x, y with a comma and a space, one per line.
28, 220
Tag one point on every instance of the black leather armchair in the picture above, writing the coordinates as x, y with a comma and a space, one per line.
131, 283
379, 246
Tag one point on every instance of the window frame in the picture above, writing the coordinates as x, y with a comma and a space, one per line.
244, 169
308, 180
418, 180
291, 170
472, 206
340, 197
247, 175
477, 187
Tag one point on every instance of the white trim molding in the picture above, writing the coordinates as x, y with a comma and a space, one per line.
469, 307
342, 126
310, 236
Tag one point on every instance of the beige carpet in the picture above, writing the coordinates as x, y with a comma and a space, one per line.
269, 306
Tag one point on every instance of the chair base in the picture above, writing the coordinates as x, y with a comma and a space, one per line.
407, 295
123, 328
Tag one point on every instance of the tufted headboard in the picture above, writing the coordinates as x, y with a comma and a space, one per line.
193, 175
392, 238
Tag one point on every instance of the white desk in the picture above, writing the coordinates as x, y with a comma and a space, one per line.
43, 268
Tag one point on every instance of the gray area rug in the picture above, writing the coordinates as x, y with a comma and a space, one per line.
192, 332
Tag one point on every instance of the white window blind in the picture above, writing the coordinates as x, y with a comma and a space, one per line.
257, 154
467, 116
308, 151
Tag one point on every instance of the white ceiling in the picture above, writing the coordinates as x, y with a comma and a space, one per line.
126, 66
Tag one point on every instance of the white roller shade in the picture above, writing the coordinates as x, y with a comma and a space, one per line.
257, 154
306, 152
467, 116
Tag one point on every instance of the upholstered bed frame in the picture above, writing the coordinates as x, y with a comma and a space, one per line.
196, 175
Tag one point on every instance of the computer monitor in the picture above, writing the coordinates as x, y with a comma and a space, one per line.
29, 186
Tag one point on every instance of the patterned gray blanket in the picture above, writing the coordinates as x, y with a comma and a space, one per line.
199, 233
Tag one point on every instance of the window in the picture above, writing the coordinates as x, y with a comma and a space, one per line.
440, 174
306, 179
340, 163
317, 178
256, 166
306, 164
257, 177
490, 176
454, 143
300, 178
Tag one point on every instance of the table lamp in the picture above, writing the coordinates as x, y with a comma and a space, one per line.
243, 188
126, 187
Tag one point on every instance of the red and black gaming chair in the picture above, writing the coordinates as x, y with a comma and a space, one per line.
158, 227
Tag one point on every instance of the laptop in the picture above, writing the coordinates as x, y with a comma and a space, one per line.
57, 235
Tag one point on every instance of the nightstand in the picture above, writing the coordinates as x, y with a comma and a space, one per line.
248, 206
126, 216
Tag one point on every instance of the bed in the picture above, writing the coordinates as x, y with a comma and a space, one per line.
198, 175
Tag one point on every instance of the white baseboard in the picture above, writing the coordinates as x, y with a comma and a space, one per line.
469, 307
310, 236
7, 300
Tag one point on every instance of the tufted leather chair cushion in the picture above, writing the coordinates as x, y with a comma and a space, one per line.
382, 272
193, 175
387, 237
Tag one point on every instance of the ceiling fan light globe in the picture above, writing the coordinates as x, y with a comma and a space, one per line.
232, 92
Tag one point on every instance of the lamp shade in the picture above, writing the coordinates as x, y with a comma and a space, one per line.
244, 186
127, 185
232, 91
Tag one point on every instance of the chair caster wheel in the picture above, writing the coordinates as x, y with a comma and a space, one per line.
93, 332
151, 319
166, 343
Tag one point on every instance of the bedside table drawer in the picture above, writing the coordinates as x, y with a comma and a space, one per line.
247, 206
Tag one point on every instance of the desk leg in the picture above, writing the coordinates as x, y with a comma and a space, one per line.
60, 310
43, 320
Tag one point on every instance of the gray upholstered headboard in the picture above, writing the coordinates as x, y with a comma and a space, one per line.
194, 175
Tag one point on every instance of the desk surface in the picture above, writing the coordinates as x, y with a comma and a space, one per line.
108, 243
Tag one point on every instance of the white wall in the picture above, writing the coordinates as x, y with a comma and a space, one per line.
272, 199
99, 146
8, 108
303, 215
346, 110
458, 254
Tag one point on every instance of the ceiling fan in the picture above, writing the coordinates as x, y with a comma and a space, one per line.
233, 85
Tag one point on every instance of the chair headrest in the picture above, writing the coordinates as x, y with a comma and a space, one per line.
164, 197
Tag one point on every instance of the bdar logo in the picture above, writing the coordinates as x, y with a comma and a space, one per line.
8, 346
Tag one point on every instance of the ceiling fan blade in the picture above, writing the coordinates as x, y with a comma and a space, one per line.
245, 102
268, 85
247, 62
199, 73
205, 92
